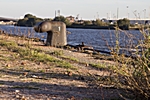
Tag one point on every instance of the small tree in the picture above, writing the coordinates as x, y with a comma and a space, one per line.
123, 23
29, 16
98, 22
87, 22
59, 18
63, 19
29, 20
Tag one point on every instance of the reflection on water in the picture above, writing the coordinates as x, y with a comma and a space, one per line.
99, 39
104, 39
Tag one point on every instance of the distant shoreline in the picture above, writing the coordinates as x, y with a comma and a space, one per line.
92, 27
102, 27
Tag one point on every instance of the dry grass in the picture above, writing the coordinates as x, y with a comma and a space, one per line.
134, 72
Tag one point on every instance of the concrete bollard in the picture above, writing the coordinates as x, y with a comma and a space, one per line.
56, 32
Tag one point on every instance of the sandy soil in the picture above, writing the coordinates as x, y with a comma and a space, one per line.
29, 80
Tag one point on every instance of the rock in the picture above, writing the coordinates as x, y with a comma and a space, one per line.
69, 73
23, 63
25, 73
17, 91
23, 98
8, 65
17, 96
34, 76
87, 65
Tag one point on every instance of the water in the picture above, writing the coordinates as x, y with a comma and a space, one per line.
22, 31
103, 40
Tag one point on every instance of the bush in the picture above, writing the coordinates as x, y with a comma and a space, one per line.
29, 20
123, 23
133, 74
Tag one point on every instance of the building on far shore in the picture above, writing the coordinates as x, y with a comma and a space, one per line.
7, 21
132, 21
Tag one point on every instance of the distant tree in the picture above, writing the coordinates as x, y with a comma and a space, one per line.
98, 22
123, 23
47, 19
67, 22
62, 19
87, 23
29, 16
21, 22
146, 22
59, 18
31, 22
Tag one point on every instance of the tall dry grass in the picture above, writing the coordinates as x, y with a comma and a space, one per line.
133, 72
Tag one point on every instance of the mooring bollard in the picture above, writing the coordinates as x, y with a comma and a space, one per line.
56, 32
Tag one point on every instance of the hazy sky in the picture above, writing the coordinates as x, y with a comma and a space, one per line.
87, 9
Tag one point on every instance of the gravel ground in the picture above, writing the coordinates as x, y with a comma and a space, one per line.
28, 80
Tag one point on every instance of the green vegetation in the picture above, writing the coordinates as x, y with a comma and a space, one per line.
99, 66
123, 23
34, 54
57, 53
29, 20
63, 19
99, 22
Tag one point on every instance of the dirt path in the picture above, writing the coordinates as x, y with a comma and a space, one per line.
30, 80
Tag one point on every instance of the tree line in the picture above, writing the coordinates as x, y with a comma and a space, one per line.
30, 20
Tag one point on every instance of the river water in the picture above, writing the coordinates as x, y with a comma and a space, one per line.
99, 39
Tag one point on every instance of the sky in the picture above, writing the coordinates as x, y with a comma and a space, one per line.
85, 9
